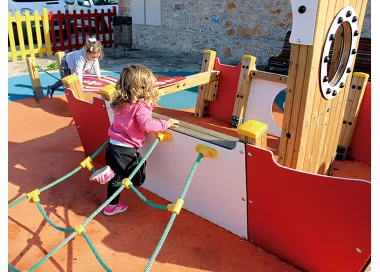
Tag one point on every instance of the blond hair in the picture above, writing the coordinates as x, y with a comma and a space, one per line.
135, 85
93, 46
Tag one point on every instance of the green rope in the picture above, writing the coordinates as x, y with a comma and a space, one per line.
51, 222
47, 72
121, 187
161, 242
61, 178
143, 198
190, 177
71, 236
11, 267
96, 212
171, 221
17, 202
100, 149
95, 252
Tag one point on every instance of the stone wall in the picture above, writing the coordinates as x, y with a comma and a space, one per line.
231, 27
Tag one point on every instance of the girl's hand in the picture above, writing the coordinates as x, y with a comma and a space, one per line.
173, 123
99, 76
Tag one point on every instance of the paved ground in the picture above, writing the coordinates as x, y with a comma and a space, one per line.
155, 60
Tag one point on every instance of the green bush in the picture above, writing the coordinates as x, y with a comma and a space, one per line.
52, 66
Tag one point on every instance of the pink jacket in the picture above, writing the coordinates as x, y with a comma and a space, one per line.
132, 121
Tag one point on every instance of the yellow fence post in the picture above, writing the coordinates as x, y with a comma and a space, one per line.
11, 38
37, 20
45, 18
29, 33
20, 34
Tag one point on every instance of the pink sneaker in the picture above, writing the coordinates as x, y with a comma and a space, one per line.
103, 175
114, 209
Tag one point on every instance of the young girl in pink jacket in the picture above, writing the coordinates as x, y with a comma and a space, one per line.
133, 102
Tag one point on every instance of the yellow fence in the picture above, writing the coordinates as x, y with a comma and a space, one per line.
18, 20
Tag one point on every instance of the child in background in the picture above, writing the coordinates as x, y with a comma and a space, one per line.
133, 102
77, 62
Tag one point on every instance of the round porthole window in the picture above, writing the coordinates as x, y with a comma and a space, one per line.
339, 52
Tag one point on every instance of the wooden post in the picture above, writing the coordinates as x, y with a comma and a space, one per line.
242, 92
253, 132
311, 122
35, 78
60, 56
209, 89
354, 101
339, 104
72, 82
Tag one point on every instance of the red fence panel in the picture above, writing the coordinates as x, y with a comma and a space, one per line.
90, 23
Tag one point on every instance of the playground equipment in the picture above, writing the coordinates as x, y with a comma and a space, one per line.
174, 208
265, 200
288, 208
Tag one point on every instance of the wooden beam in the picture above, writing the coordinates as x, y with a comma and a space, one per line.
60, 56
242, 92
192, 81
203, 90
354, 101
35, 78
269, 76
360, 8
326, 111
202, 133
310, 121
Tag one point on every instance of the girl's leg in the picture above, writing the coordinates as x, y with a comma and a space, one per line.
119, 159
65, 72
112, 189
139, 178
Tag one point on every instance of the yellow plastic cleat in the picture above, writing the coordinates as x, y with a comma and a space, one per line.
176, 207
209, 51
87, 163
206, 151
79, 229
361, 74
252, 129
127, 183
249, 57
34, 195
108, 91
70, 79
164, 136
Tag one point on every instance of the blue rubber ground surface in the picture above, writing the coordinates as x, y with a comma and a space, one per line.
19, 87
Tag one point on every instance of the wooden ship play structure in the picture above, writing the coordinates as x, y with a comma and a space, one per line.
271, 184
